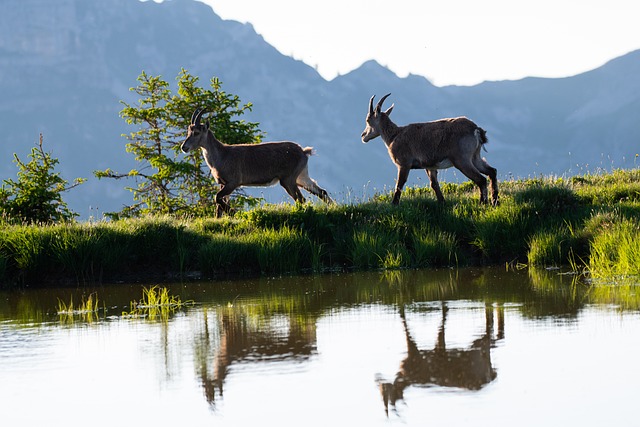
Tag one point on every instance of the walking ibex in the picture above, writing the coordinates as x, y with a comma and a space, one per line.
431, 146
254, 165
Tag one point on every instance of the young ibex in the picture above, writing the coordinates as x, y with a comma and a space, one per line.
258, 165
431, 146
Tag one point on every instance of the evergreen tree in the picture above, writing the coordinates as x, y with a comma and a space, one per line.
169, 181
36, 197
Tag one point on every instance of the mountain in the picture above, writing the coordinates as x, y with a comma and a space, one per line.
65, 65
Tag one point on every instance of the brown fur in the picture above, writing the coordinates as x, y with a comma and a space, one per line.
431, 146
264, 164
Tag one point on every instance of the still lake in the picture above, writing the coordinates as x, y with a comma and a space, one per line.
479, 346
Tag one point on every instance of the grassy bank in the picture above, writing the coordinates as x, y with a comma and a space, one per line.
589, 221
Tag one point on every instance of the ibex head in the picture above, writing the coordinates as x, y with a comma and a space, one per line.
197, 131
372, 127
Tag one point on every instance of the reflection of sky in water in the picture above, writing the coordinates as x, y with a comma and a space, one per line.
321, 368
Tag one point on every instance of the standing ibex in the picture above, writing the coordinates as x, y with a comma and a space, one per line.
258, 165
431, 146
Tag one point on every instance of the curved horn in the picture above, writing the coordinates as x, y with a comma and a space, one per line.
199, 116
379, 106
371, 105
193, 116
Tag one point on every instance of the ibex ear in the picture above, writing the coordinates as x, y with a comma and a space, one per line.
206, 124
389, 109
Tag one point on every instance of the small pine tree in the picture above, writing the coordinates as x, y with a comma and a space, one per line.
168, 181
36, 197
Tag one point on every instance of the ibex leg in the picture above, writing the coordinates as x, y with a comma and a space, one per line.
492, 173
222, 204
293, 190
403, 174
470, 171
433, 177
306, 182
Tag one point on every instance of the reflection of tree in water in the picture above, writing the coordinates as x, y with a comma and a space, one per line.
467, 368
241, 336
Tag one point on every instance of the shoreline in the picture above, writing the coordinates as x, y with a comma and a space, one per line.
581, 222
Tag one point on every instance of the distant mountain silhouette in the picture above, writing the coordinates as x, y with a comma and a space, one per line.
66, 64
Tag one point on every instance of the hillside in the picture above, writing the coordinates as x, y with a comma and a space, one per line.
66, 64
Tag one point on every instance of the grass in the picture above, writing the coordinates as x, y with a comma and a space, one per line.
87, 310
587, 222
615, 250
432, 248
552, 247
156, 304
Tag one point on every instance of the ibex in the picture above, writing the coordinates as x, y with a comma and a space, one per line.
431, 146
255, 165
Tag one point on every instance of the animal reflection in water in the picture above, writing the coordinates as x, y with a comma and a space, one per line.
245, 338
466, 368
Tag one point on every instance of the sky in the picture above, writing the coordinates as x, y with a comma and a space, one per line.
450, 42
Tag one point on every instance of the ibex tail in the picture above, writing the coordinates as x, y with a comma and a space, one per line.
481, 137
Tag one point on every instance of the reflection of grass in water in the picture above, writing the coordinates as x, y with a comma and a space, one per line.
624, 293
87, 310
567, 287
156, 303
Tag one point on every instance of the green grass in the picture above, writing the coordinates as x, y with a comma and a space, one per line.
555, 246
584, 222
432, 248
87, 310
615, 250
156, 304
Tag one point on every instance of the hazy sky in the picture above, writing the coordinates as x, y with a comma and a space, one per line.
461, 42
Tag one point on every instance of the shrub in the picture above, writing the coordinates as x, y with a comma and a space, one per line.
36, 197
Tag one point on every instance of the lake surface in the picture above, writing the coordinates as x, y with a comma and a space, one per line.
481, 347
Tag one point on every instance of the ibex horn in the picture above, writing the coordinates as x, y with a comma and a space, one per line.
193, 116
379, 106
199, 116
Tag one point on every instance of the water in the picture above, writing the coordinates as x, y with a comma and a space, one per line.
467, 347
